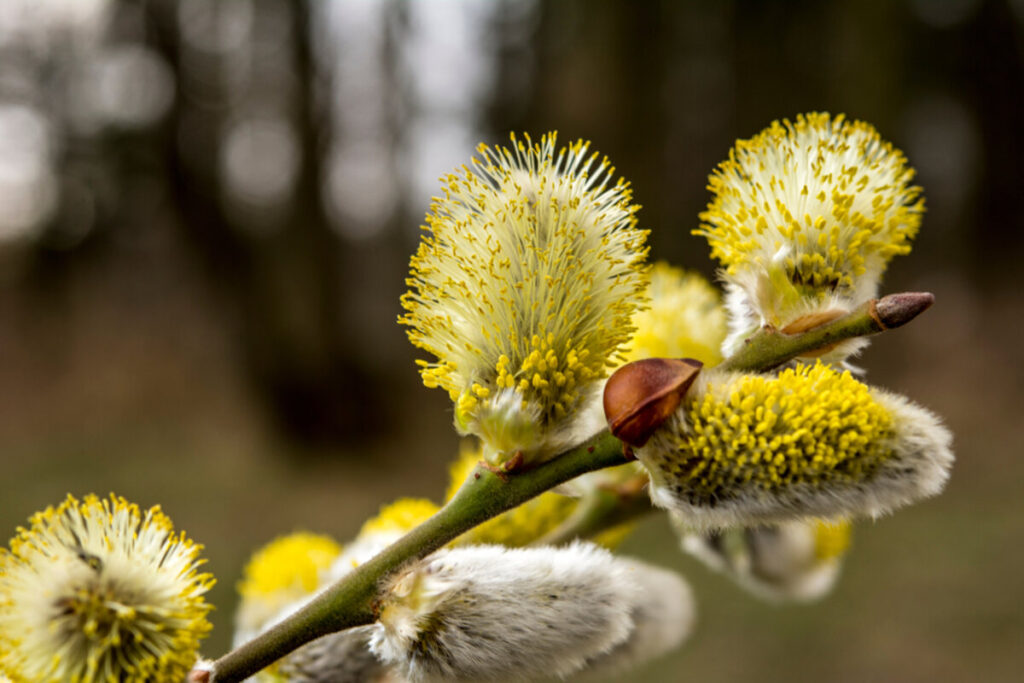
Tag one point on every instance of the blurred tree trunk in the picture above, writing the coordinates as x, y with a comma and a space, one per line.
284, 281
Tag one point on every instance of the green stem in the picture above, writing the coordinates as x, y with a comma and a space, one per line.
600, 510
485, 494
350, 601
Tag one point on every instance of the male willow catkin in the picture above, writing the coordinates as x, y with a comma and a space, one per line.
746, 449
804, 218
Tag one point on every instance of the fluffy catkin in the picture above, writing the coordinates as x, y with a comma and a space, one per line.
489, 613
100, 590
523, 288
804, 218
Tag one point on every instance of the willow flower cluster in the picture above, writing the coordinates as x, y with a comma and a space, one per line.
810, 441
529, 287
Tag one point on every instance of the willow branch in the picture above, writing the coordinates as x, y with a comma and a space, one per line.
351, 601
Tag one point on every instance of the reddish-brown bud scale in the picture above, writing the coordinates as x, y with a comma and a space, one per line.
641, 395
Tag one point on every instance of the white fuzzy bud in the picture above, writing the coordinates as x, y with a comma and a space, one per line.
489, 613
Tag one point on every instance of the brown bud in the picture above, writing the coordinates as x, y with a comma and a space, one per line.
899, 309
641, 395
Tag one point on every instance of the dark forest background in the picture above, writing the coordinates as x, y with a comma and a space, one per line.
207, 210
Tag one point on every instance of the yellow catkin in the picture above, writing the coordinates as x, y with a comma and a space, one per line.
811, 427
823, 197
529, 271
122, 576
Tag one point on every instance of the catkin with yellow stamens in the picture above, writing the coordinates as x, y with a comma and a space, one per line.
804, 218
98, 590
523, 289
745, 449
684, 319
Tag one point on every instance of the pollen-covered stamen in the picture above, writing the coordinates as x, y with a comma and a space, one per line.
526, 280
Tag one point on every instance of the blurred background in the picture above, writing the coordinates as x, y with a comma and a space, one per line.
206, 215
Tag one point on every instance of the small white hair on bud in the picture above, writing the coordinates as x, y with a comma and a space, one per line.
663, 617
492, 613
